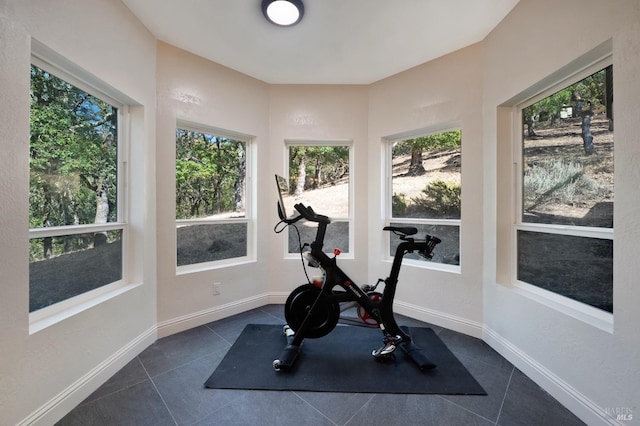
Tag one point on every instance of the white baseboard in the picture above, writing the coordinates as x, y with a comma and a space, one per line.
442, 319
195, 319
279, 298
78, 391
584, 408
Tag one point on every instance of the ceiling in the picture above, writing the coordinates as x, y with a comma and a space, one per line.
337, 41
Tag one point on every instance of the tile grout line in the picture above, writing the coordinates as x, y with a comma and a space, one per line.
222, 407
219, 335
361, 408
270, 314
505, 395
120, 389
180, 365
444, 398
158, 392
313, 407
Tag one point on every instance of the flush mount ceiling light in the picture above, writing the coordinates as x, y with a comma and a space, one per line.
283, 12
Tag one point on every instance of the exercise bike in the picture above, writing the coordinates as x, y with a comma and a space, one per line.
313, 310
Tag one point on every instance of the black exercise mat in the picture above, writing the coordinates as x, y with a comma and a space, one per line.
341, 362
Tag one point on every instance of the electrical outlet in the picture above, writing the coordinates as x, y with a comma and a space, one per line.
216, 289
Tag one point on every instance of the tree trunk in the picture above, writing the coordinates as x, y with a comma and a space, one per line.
102, 213
609, 95
316, 176
531, 124
585, 109
102, 204
302, 177
415, 167
48, 241
239, 187
587, 137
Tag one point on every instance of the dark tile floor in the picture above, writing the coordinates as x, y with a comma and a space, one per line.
164, 386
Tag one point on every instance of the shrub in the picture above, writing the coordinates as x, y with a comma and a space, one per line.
558, 181
440, 199
399, 205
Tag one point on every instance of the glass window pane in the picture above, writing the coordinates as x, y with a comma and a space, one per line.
211, 242
69, 265
210, 176
448, 251
336, 236
568, 155
210, 184
319, 177
73, 155
426, 175
577, 267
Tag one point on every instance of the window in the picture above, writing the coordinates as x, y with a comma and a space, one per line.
213, 200
424, 190
319, 176
564, 232
76, 204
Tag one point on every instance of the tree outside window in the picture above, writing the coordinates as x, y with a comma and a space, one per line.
426, 190
73, 191
211, 197
565, 230
319, 176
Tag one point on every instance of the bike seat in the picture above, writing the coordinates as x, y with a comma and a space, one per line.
404, 230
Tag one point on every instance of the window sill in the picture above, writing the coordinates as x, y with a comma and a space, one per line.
51, 315
580, 311
208, 266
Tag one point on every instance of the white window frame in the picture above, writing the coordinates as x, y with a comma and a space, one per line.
388, 142
288, 143
48, 60
250, 214
586, 313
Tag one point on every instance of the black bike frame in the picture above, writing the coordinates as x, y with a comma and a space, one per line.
381, 311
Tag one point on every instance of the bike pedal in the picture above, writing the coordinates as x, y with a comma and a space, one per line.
386, 350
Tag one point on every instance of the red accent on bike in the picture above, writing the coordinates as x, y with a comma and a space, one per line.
347, 283
336, 251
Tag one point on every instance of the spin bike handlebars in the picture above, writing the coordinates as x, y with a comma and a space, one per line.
308, 213
403, 232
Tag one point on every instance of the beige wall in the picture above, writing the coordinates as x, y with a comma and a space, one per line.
41, 372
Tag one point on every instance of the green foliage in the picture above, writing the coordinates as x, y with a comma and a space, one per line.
323, 164
439, 200
399, 205
592, 88
73, 156
210, 174
438, 141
